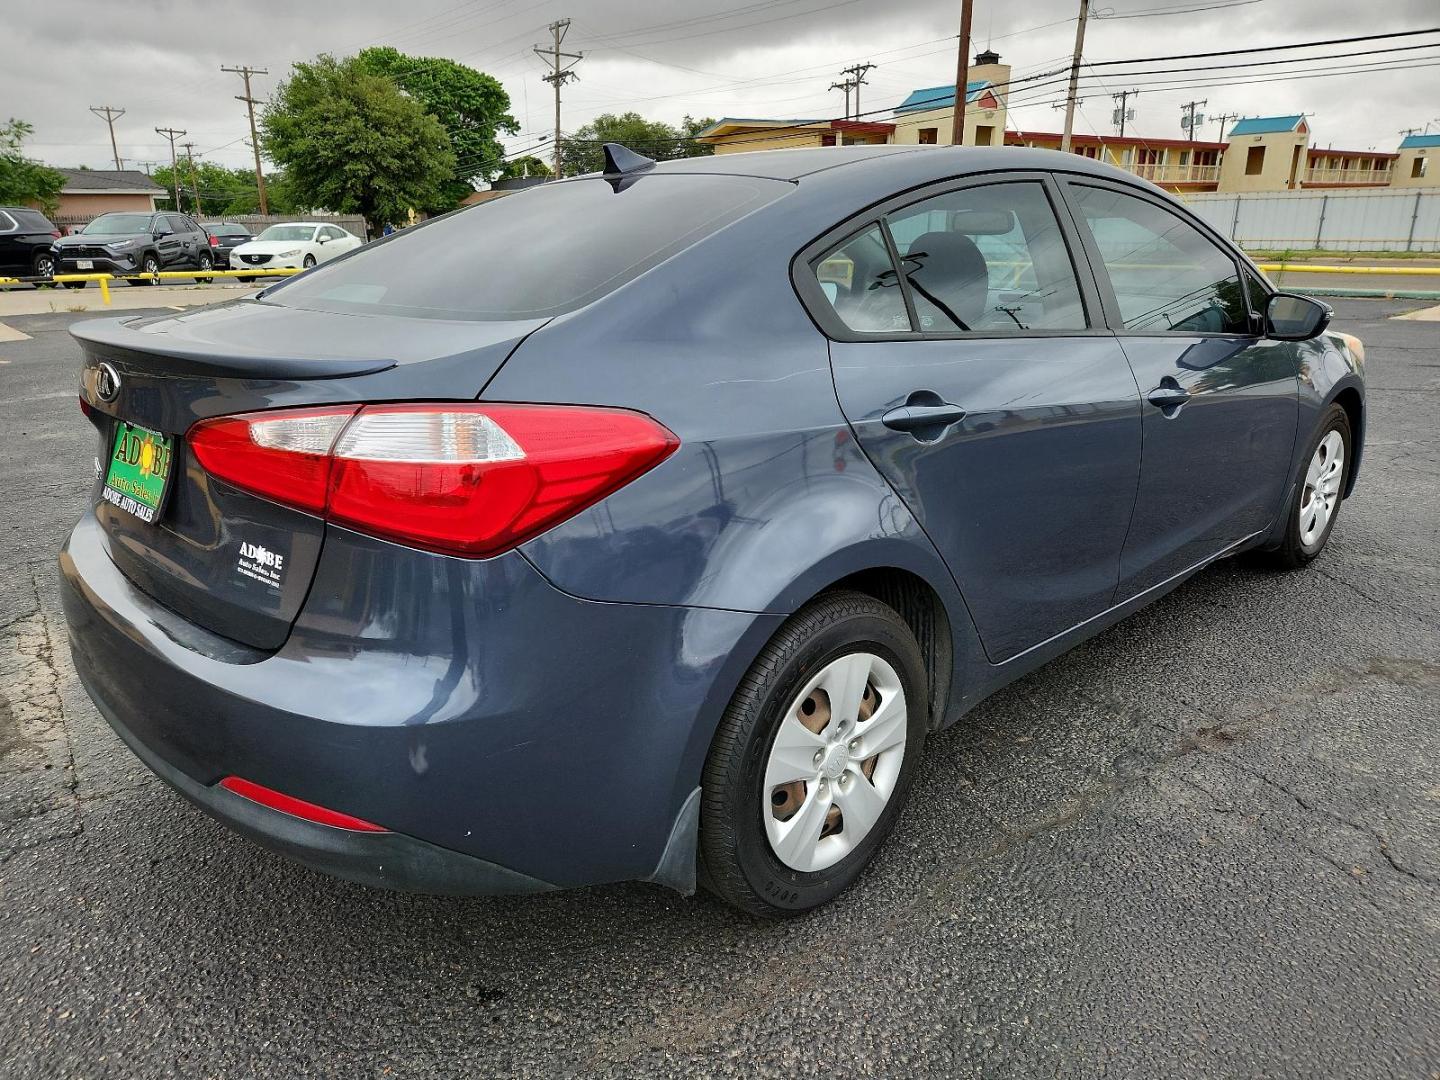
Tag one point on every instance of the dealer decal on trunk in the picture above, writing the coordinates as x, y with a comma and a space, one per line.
259, 563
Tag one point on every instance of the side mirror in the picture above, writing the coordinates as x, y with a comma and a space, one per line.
1291, 317
322, 240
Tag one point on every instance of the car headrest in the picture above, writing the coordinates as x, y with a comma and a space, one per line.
951, 269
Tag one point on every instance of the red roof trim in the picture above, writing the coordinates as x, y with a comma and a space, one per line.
863, 127
1014, 138
1317, 152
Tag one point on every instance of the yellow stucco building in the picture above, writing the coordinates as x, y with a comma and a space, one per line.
1418, 162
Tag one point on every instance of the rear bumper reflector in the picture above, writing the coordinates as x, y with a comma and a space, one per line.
288, 804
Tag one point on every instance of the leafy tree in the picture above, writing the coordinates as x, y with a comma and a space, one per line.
23, 181
351, 141
222, 190
471, 106
523, 166
582, 153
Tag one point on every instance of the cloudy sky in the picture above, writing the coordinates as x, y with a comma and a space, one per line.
160, 60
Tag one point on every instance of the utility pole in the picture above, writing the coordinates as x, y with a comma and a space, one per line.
172, 134
1189, 121
1221, 121
194, 184
857, 73
847, 86
560, 73
245, 71
962, 75
1072, 96
110, 114
148, 166
1122, 113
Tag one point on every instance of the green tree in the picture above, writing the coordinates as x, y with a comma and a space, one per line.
523, 166
472, 107
23, 181
351, 141
222, 190
582, 153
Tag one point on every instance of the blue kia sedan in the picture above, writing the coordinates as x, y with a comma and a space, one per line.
643, 525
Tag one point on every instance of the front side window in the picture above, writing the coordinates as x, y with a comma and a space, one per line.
859, 279
1166, 274
988, 258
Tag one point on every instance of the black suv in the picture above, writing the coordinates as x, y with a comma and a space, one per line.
25, 239
135, 243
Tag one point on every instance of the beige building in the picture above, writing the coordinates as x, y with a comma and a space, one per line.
1174, 164
927, 116
1266, 153
735, 135
90, 192
1418, 162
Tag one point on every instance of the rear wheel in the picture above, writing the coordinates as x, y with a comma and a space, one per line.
206, 264
814, 758
44, 266
74, 284
245, 279
1313, 508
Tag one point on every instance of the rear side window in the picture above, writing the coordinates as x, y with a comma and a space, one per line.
1166, 274
7, 223
538, 253
33, 221
859, 280
988, 258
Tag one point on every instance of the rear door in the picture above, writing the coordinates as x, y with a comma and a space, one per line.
982, 383
14, 252
1220, 406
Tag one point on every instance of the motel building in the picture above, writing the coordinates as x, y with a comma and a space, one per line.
1261, 153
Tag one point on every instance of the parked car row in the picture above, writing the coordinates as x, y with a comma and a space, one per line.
141, 242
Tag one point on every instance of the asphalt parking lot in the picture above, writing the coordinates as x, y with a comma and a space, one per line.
1205, 844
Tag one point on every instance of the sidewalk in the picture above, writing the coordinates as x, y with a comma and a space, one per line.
22, 301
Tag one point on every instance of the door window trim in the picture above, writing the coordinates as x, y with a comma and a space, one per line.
825, 317
1111, 306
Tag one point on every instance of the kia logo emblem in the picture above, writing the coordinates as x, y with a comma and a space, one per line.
107, 383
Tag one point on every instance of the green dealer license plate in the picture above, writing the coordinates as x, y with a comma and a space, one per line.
139, 471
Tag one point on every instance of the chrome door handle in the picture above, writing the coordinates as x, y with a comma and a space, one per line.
1168, 395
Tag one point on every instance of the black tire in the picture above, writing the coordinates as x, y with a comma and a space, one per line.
207, 263
44, 266
149, 264
1293, 552
245, 279
736, 862
74, 284
309, 262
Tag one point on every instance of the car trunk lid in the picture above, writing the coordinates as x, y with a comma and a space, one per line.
229, 561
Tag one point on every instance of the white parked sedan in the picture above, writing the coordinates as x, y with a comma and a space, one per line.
295, 244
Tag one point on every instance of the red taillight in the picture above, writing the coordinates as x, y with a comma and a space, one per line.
288, 804
463, 479
214, 241
55, 233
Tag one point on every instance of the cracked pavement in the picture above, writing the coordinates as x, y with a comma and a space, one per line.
1206, 843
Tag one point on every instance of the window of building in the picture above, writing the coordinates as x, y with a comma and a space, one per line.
928, 136
984, 135
1254, 161
859, 280
1417, 167
988, 258
1166, 274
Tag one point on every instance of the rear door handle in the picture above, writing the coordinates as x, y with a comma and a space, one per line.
923, 420
1168, 395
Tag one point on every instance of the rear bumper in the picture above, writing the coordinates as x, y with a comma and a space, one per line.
512, 737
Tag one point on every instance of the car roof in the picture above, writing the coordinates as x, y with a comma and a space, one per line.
903, 164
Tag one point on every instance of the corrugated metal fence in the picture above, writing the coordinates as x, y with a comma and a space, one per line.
1398, 220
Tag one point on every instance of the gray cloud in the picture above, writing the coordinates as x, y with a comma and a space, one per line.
160, 59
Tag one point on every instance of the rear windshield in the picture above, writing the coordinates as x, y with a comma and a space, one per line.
116, 224
534, 254
288, 232
227, 230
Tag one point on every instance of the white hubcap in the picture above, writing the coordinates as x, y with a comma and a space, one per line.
1322, 488
835, 762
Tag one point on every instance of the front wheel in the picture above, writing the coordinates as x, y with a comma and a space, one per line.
1311, 514
309, 261
814, 758
150, 264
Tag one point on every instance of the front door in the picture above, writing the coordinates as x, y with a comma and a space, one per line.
983, 389
1220, 406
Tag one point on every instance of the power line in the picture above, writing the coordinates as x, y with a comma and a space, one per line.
245, 71
560, 73
110, 114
